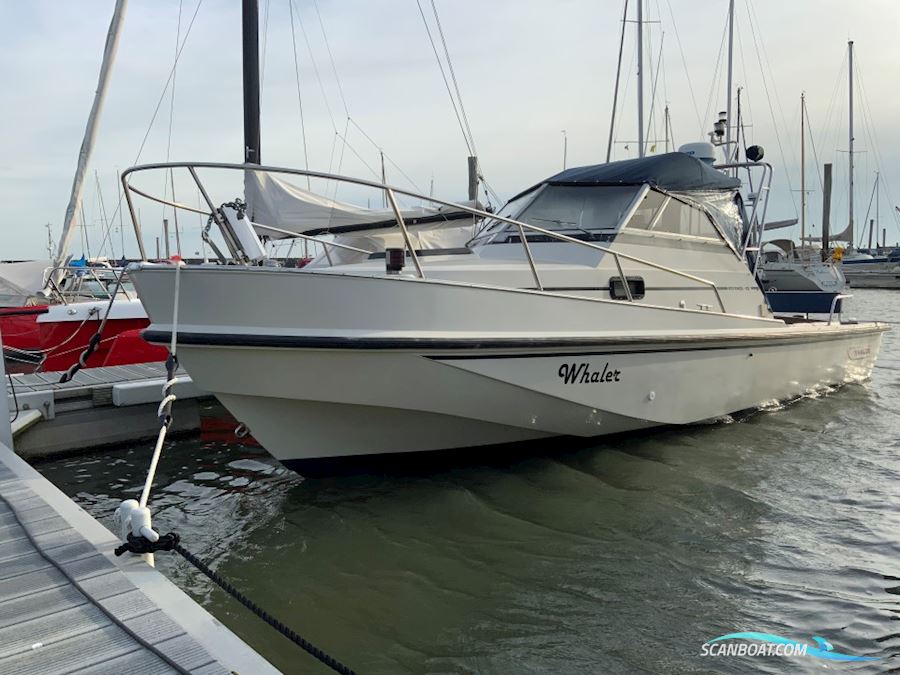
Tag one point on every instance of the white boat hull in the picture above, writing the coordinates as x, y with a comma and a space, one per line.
874, 279
497, 365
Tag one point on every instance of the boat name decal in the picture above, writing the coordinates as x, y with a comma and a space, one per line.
858, 353
581, 373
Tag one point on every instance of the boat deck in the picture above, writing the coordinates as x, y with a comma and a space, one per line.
68, 605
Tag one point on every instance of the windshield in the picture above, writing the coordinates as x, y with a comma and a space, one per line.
584, 212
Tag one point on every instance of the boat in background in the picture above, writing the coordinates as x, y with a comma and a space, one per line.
799, 280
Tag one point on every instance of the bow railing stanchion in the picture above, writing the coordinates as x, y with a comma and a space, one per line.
214, 214
534, 272
405, 231
625, 284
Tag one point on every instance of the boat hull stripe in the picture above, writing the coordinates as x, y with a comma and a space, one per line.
584, 346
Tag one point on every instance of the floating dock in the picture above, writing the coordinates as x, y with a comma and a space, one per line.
67, 604
99, 406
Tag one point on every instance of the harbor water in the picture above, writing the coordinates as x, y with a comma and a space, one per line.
624, 557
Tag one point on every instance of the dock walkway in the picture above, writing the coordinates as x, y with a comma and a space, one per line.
99, 406
68, 605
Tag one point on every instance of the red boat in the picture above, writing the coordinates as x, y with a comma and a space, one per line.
53, 337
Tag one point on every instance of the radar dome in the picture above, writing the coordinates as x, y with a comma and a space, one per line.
705, 152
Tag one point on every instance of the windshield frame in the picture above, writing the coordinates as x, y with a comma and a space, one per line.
484, 237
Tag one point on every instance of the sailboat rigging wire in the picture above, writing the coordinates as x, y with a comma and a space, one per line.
337, 79
169, 137
446, 81
812, 141
612, 119
655, 77
761, 54
299, 97
106, 223
162, 97
700, 124
386, 156
745, 100
759, 58
632, 61
462, 108
716, 78
315, 66
84, 230
870, 128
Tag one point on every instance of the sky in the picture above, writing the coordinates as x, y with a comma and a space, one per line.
534, 76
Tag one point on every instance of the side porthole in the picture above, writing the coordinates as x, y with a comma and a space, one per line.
635, 285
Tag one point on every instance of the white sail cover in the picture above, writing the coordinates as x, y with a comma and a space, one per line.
275, 202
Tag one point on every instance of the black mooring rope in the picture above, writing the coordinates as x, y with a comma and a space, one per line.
172, 542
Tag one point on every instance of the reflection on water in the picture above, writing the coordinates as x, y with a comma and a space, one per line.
624, 557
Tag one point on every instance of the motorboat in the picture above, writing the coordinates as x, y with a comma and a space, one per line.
872, 268
604, 299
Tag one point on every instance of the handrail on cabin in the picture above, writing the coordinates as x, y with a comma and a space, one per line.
391, 193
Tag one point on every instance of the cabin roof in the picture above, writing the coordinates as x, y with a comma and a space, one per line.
674, 171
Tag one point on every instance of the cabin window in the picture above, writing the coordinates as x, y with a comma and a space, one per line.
584, 212
680, 218
661, 214
568, 209
646, 211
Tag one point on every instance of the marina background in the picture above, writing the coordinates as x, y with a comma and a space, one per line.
546, 67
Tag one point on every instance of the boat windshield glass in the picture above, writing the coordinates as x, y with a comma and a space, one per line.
583, 212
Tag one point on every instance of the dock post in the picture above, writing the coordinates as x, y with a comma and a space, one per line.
5, 426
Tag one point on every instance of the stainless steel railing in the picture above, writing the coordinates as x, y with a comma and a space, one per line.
67, 282
391, 194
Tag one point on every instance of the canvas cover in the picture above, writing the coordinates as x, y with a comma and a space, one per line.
278, 203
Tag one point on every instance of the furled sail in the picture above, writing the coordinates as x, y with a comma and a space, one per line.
280, 204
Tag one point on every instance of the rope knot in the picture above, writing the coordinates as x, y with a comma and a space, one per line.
140, 545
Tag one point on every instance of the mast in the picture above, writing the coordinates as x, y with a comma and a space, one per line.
850, 225
826, 213
612, 118
877, 205
90, 133
640, 76
802, 168
728, 153
666, 123
250, 24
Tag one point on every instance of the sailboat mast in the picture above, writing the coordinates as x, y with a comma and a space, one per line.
640, 76
667, 123
802, 168
250, 25
850, 225
877, 205
728, 153
90, 133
